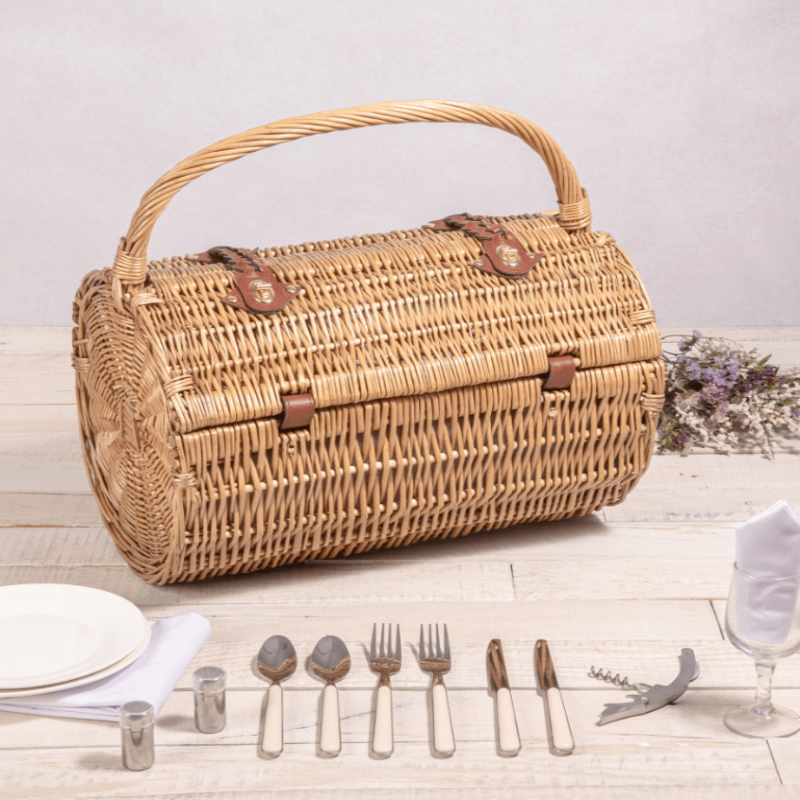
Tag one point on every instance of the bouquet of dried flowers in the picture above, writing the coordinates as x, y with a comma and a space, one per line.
722, 396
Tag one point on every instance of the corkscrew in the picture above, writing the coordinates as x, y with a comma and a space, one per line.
650, 697
616, 680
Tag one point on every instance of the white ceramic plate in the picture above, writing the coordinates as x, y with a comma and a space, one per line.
52, 632
94, 676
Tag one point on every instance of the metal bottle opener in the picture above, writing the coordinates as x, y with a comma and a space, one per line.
653, 697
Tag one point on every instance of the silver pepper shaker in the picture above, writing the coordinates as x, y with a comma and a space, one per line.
137, 721
209, 699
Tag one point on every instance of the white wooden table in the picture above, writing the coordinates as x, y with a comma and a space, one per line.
624, 589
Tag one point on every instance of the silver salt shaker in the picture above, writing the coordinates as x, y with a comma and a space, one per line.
209, 699
137, 721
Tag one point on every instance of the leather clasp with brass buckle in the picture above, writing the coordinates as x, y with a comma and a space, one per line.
255, 287
506, 256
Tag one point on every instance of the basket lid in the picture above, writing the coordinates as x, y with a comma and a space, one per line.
388, 315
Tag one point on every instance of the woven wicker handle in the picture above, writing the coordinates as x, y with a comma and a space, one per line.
130, 264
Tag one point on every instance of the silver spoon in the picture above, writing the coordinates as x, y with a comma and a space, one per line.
331, 662
277, 660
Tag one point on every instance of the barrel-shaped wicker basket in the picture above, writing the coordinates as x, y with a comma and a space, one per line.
432, 411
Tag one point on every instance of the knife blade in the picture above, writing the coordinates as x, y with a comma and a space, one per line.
507, 730
557, 722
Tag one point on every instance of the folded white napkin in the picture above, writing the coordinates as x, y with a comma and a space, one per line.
174, 643
767, 550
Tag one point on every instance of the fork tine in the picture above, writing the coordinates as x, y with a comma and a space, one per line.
430, 641
422, 641
372, 650
446, 644
438, 645
383, 651
398, 653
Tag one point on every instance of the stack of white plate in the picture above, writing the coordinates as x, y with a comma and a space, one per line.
54, 637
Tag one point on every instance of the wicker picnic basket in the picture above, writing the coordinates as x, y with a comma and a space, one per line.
244, 409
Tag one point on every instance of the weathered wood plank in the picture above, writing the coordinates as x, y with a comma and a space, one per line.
35, 339
41, 378
691, 505
40, 547
29, 419
577, 539
783, 354
500, 792
709, 487
623, 578
95, 771
469, 624
331, 582
784, 751
43, 510
34, 463
715, 471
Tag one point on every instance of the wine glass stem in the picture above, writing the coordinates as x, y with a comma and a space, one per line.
763, 705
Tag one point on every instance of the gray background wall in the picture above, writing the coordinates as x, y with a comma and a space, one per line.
681, 117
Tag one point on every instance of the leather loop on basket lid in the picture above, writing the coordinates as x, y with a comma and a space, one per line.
561, 372
504, 254
298, 411
256, 287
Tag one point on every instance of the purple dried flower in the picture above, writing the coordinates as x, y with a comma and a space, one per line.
714, 394
715, 389
693, 370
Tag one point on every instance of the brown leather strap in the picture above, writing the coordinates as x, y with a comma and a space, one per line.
298, 411
256, 288
561, 373
504, 254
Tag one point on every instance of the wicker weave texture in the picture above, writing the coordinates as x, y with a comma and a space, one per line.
426, 373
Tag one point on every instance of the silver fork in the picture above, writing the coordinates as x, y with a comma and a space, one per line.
438, 663
385, 662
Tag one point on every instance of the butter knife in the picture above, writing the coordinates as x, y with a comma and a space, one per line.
507, 730
560, 733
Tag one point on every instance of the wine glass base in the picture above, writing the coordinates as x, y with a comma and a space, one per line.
745, 721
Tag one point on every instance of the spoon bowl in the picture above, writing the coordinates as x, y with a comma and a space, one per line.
277, 660
331, 662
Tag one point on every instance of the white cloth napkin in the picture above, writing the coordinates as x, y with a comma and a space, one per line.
767, 549
174, 643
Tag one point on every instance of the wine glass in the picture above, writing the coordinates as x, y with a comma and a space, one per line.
763, 621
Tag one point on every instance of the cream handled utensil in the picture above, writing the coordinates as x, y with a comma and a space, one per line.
507, 730
277, 660
437, 662
331, 662
385, 662
560, 732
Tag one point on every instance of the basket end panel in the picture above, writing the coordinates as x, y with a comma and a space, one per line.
126, 449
